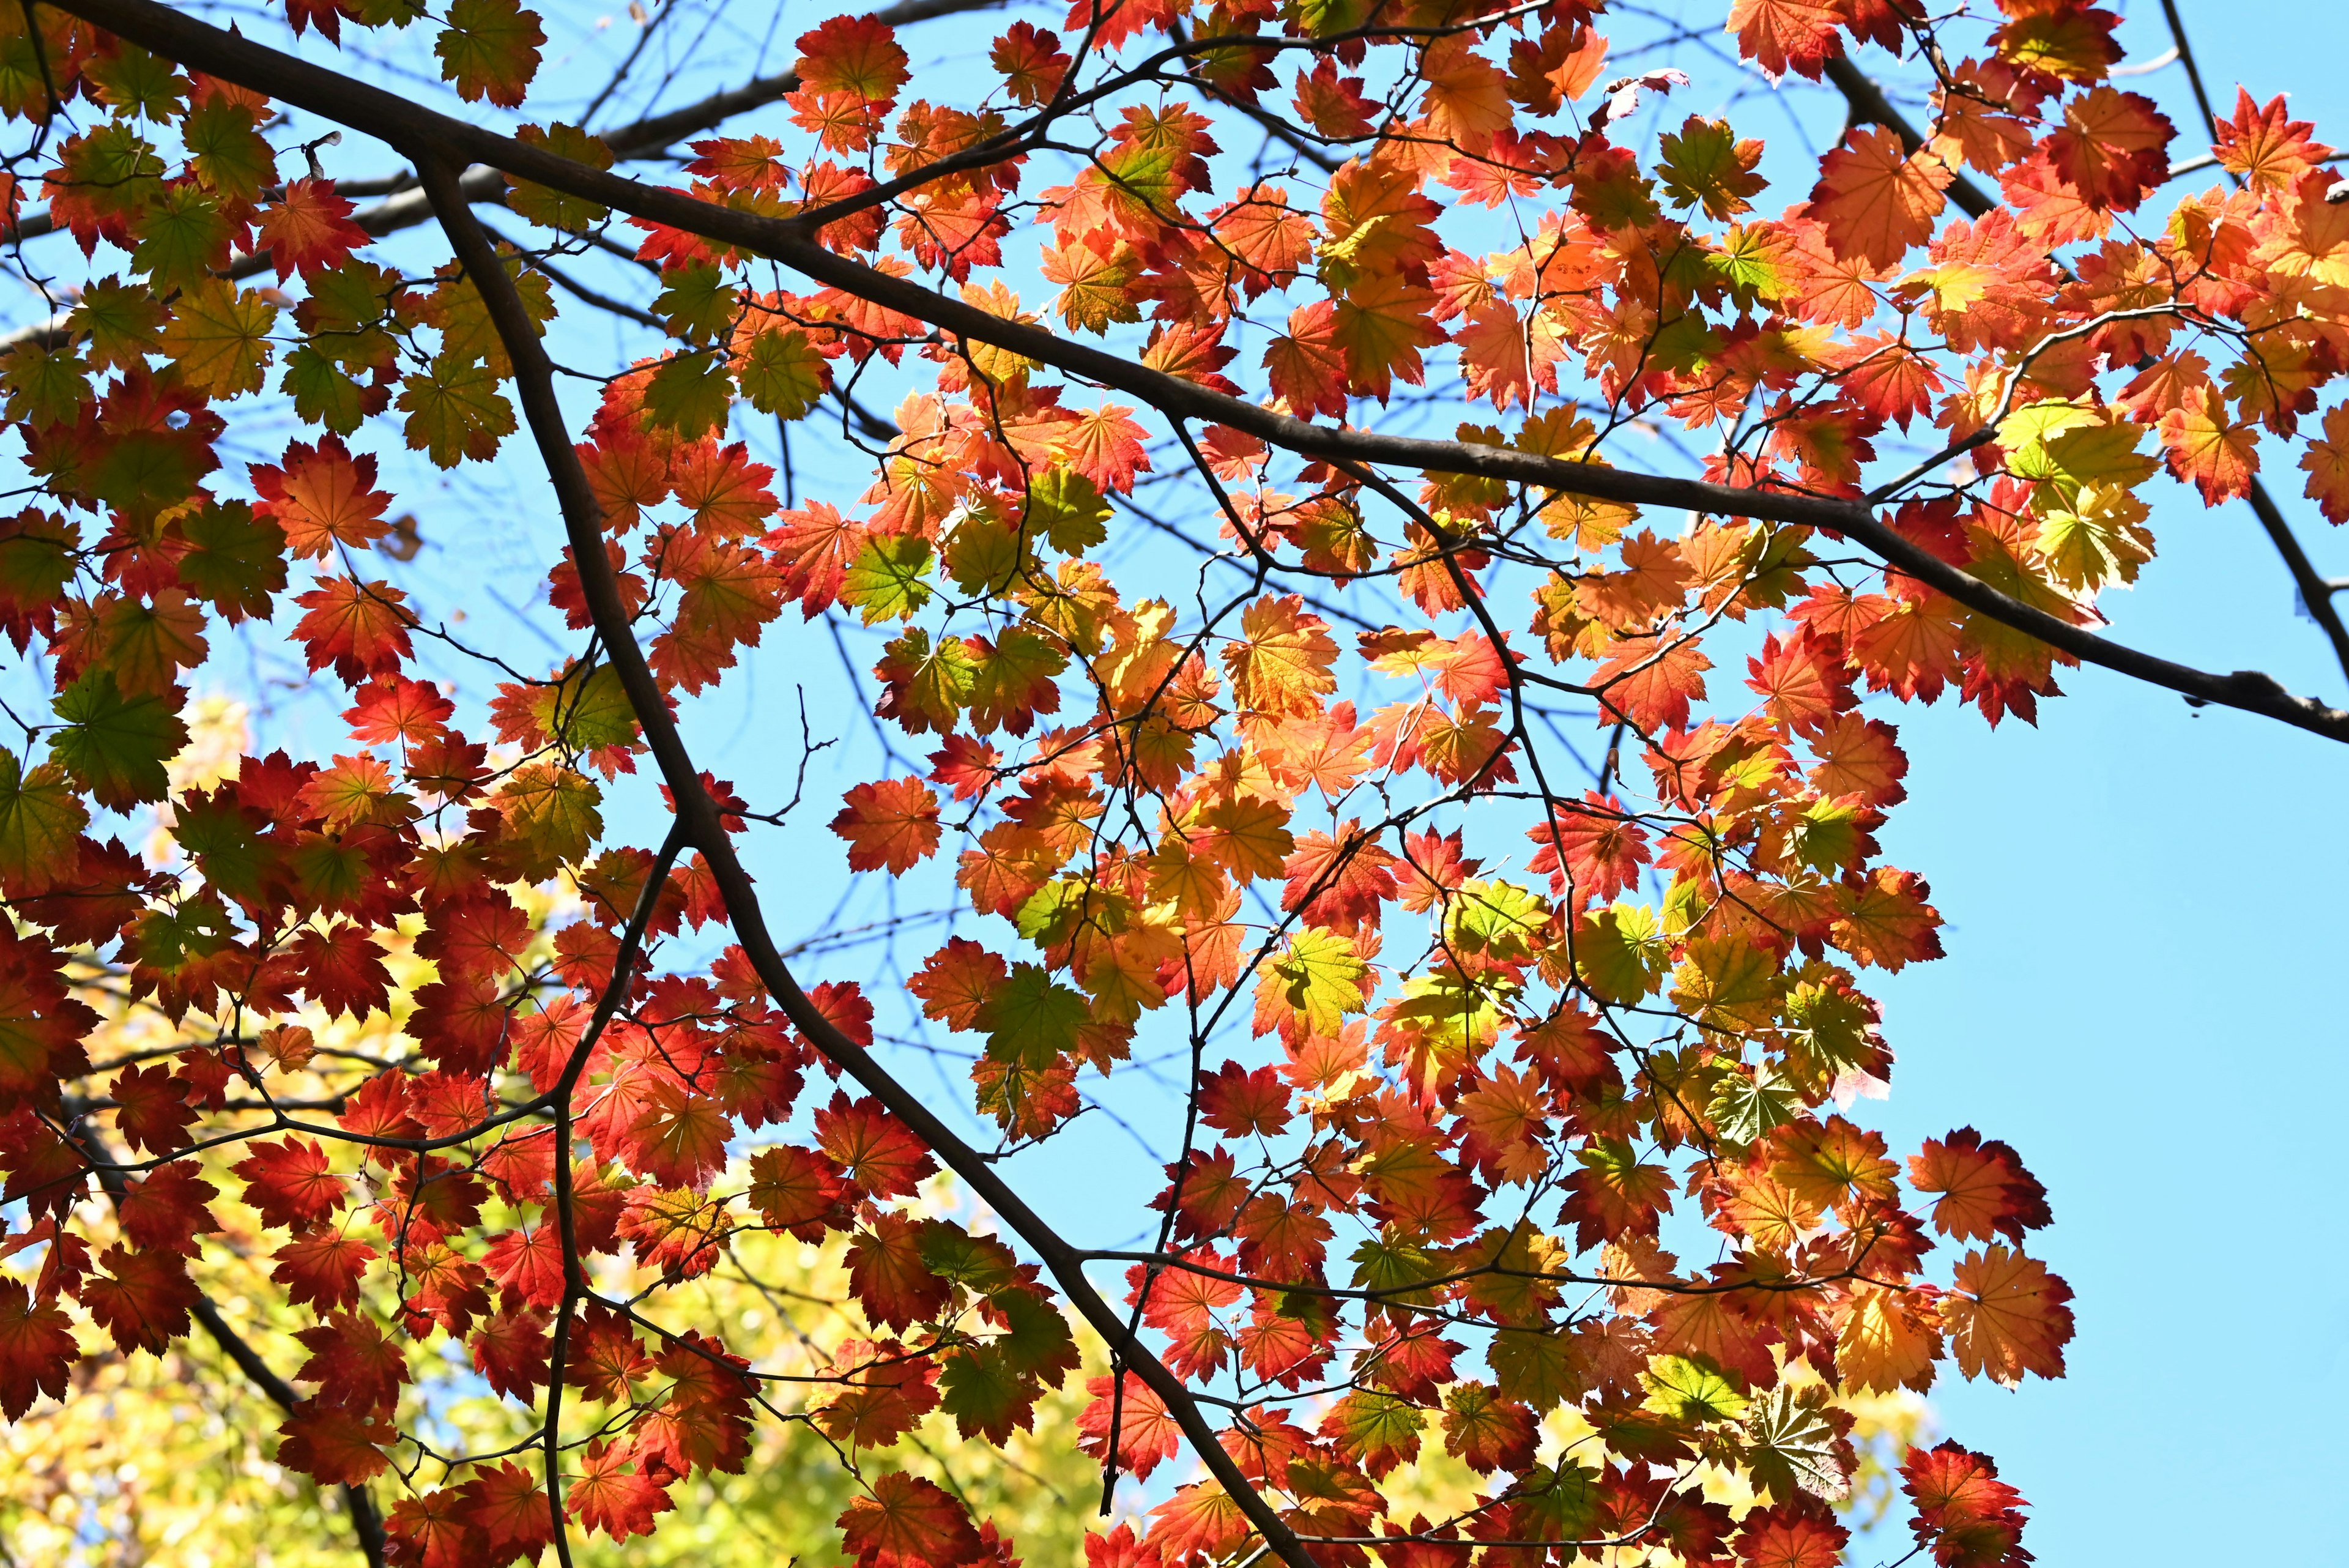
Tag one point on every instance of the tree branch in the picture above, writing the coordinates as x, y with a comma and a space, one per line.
365, 1523
1870, 105
423, 133
698, 818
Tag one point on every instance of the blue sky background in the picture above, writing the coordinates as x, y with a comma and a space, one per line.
2143, 987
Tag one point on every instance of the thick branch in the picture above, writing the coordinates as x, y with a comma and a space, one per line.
698, 816
423, 133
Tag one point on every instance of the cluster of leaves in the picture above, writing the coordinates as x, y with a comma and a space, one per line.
1505, 1038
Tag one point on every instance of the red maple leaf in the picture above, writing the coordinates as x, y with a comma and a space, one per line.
309, 228
1967, 1516
905, 1522
291, 1182
37, 1349
361, 628
1239, 1103
614, 1493
891, 824
335, 1445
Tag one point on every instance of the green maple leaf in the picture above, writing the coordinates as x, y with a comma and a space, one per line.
1752, 263
556, 209
225, 151
587, 713
46, 386
1066, 509
689, 393
697, 301
1692, 1389
1015, 683
886, 580
116, 746
490, 50
554, 814
1036, 1340
36, 557
456, 412
1705, 165
345, 312
928, 685
1031, 1019
133, 80
123, 321
1791, 1445
1320, 979
1620, 952
1499, 919
41, 819
978, 1387
1744, 1111
236, 560
225, 844
782, 374
182, 235
984, 554
219, 337
1377, 1429
322, 393
1559, 1504
1535, 1368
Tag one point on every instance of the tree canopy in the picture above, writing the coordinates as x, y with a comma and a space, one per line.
1389, 660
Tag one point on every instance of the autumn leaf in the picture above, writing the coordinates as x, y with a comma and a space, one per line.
905, 1522
490, 50
891, 824
1875, 199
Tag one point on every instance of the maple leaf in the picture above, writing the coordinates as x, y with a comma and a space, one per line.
1780, 36
1964, 1512
886, 1273
218, 337
490, 50
2110, 147
1280, 662
1874, 199
2219, 455
1338, 882
115, 745
2007, 1316
893, 823
871, 1147
361, 628
37, 1349
291, 1183
1105, 446
2263, 144
41, 820
905, 1522
1239, 1103
321, 496
506, 1504
309, 229
142, 1298
615, 1492
333, 1445
1379, 327
1705, 165
1984, 1190
323, 1269
1800, 1533
455, 411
